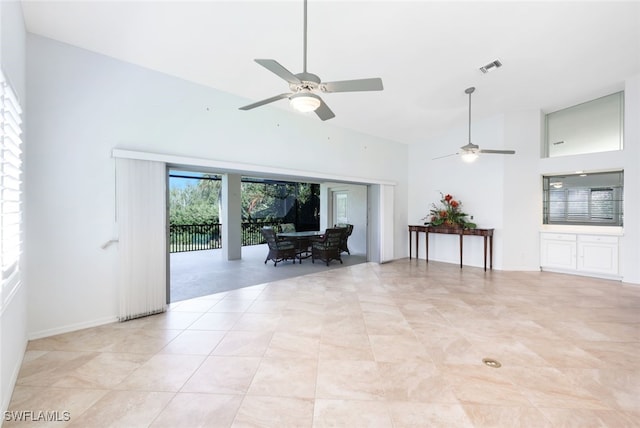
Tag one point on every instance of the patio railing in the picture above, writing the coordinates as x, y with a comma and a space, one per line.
197, 237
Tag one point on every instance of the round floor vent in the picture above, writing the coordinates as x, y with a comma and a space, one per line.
490, 362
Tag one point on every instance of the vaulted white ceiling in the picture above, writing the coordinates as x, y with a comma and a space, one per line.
427, 53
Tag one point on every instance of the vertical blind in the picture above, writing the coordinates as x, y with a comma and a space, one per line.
10, 183
142, 245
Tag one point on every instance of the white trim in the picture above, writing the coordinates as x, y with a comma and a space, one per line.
237, 167
582, 229
73, 327
387, 222
581, 273
6, 400
13, 290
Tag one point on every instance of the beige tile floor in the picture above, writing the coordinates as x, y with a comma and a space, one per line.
393, 345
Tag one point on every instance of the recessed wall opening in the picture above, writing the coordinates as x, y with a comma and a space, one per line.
584, 199
196, 265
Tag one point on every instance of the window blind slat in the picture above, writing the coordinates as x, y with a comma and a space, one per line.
13, 117
9, 99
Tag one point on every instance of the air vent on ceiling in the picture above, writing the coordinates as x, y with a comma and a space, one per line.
494, 64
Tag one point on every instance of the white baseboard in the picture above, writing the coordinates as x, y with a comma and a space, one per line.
521, 269
582, 273
72, 327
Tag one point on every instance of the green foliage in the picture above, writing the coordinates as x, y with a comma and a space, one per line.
198, 203
306, 192
449, 214
195, 204
261, 201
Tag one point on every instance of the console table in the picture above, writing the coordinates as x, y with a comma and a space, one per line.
486, 233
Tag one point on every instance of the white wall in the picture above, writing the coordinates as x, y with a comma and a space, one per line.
480, 186
522, 206
13, 307
630, 242
83, 105
505, 192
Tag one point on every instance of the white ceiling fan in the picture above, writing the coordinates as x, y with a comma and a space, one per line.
469, 152
305, 86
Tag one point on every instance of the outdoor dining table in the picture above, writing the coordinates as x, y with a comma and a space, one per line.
302, 241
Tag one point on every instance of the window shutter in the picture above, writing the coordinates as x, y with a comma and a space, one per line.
10, 186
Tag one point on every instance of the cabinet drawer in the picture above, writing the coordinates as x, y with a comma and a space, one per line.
558, 236
600, 239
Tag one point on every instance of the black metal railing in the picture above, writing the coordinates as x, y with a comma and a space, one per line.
194, 237
251, 232
197, 237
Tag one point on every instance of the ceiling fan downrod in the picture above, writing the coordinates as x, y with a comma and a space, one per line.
304, 40
468, 91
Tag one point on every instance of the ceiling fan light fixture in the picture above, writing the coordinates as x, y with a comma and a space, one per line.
305, 102
469, 157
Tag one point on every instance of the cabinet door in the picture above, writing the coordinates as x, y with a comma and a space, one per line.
558, 254
598, 255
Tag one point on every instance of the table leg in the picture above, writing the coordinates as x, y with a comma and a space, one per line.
410, 244
461, 251
417, 244
426, 246
485, 253
491, 252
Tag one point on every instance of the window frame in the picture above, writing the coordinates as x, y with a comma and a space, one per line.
584, 209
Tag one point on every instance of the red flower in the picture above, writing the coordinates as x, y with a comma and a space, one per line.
443, 213
448, 198
454, 204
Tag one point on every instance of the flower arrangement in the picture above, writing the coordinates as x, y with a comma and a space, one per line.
449, 214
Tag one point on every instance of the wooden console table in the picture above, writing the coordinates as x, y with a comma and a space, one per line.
486, 233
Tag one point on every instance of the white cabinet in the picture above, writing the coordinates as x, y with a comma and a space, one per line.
598, 254
558, 250
593, 255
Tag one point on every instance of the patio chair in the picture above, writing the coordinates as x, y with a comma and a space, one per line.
279, 249
343, 245
327, 247
287, 227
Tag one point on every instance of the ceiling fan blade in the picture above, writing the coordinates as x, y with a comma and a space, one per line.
499, 152
275, 67
446, 156
267, 101
324, 112
373, 84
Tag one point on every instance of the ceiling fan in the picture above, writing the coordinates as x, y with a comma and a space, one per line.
305, 86
469, 152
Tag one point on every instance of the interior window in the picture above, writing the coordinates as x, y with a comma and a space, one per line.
583, 199
591, 127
